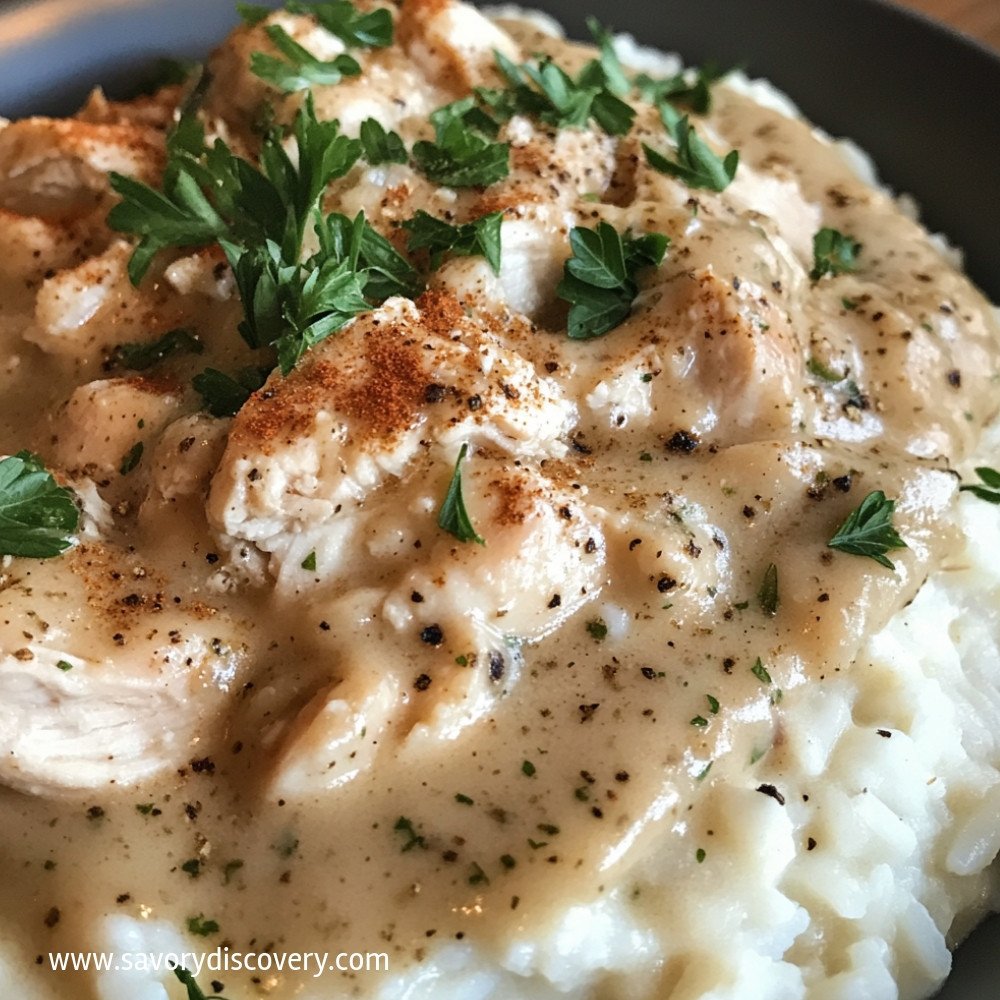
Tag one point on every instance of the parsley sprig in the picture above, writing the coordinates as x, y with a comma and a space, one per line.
461, 155
212, 195
990, 488
696, 164
224, 395
691, 89
340, 18
37, 516
833, 253
300, 69
453, 517
868, 530
480, 238
599, 277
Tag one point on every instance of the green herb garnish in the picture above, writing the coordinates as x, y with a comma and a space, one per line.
990, 488
309, 563
461, 155
477, 875
413, 839
453, 517
202, 927
868, 530
690, 89
696, 165
224, 395
833, 254
713, 704
132, 458
379, 145
760, 671
528, 769
767, 596
463, 799
480, 238
300, 69
599, 278
37, 516
64, 665
700, 721
597, 629
139, 357
343, 19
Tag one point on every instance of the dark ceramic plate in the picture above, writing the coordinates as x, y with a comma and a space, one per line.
921, 99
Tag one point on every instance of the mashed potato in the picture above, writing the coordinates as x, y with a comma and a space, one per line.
525, 543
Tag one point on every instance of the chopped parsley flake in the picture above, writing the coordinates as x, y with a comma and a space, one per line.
868, 530
528, 769
690, 89
453, 517
700, 721
599, 277
767, 596
309, 563
760, 671
192, 867
131, 459
700, 855
413, 839
597, 629
37, 516
477, 875
64, 665
463, 799
202, 927
713, 704
507, 861
833, 254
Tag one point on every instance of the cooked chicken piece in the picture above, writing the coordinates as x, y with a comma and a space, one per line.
363, 406
113, 680
103, 421
186, 455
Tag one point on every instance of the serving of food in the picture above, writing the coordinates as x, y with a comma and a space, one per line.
519, 507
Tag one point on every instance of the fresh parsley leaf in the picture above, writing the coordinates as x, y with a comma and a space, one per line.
453, 517
132, 458
37, 516
868, 530
690, 89
343, 19
833, 254
253, 13
194, 991
139, 357
214, 196
300, 69
202, 927
528, 769
696, 165
309, 563
767, 596
471, 239
387, 272
545, 91
460, 155
605, 72
64, 665
224, 395
379, 145
599, 277
990, 488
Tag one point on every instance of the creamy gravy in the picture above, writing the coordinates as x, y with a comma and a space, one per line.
287, 719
